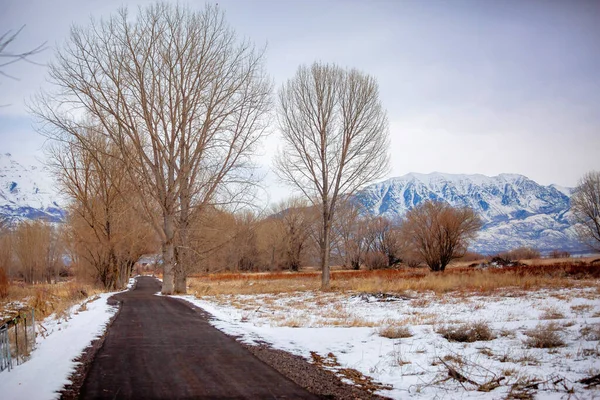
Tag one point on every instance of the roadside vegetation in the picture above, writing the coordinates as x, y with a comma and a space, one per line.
456, 279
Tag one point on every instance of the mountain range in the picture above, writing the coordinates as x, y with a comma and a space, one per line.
27, 192
515, 210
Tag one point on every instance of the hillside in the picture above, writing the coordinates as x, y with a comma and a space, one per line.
27, 192
516, 210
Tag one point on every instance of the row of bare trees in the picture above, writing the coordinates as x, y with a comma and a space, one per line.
154, 121
289, 238
176, 103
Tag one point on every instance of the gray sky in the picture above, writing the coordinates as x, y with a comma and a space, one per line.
475, 86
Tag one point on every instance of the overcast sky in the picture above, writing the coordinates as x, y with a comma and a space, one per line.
469, 86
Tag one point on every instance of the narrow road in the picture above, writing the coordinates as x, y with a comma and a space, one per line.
163, 348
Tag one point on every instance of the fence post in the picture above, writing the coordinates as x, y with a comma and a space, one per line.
33, 326
16, 324
26, 341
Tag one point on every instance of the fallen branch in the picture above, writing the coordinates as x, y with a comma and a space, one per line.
591, 381
453, 373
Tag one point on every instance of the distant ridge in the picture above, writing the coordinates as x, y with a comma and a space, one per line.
516, 210
27, 192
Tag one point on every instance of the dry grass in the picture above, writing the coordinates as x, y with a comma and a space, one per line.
395, 332
545, 336
552, 313
467, 333
454, 279
590, 332
46, 299
582, 308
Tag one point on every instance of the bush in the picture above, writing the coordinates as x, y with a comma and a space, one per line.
376, 260
468, 332
471, 256
544, 336
559, 254
395, 332
521, 253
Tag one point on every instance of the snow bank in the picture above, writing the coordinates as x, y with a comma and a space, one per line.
51, 363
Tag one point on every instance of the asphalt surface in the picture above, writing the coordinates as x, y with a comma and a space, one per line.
164, 348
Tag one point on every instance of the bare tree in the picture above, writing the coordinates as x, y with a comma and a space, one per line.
335, 136
585, 204
106, 236
439, 233
37, 252
383, 238
296, 218
349, 234
182, 100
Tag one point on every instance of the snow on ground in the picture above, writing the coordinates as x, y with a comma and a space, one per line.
51, 363
348, 325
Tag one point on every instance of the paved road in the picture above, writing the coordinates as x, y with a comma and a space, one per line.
163, 348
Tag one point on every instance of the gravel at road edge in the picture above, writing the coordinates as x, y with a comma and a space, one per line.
311, 377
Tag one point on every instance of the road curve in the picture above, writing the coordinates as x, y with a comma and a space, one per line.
163, 348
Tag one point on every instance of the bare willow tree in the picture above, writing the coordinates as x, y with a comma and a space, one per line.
296, 219
335, 135
181, 98
37, 249
585, 204
106, 238
350, 228
439, 233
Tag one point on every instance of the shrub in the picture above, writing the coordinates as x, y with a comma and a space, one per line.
471, 256
559, 254
468, 332
521, 253
395, 332
544, 336
376, 260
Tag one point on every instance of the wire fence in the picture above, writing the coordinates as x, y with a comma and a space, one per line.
17, 339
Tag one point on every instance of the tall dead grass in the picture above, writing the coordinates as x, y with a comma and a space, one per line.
46, 299
456, 279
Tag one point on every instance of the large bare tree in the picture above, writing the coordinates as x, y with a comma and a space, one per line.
439, 233
181, 98
335, 139
585, 204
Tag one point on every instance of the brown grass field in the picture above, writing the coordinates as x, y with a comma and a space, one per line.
458, 278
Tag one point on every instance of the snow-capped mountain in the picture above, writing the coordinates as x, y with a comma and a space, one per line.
27, 192
516, 211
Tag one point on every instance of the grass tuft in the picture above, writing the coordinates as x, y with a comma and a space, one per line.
544, 336
395, 332
467, 333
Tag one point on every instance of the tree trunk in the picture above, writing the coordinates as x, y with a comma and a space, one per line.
180, 279
325, 247
168, 272
168, 254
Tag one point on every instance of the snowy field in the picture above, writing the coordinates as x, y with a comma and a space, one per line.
347, 331
59, 341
